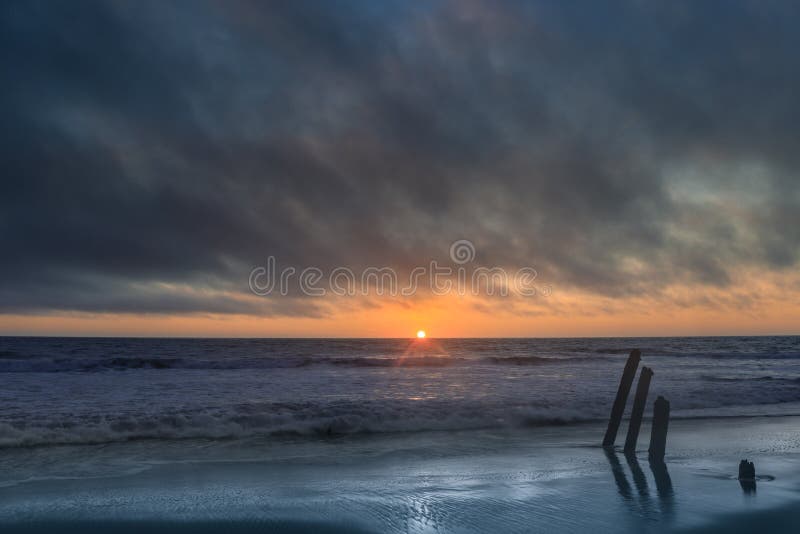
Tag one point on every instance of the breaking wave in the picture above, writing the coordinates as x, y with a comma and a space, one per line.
59, 365
280, 420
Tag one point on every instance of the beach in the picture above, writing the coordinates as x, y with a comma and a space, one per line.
554, 479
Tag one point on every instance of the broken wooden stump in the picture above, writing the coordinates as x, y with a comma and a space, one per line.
658, 434
747, 476
747, 470
622, 396
639, 403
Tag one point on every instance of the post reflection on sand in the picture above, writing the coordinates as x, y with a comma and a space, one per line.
638, 496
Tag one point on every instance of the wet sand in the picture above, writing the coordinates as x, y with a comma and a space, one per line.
553, 479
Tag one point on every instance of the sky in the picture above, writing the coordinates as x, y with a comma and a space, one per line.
639, 158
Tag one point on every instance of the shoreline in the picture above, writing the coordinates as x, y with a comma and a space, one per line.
557, 479
366, 434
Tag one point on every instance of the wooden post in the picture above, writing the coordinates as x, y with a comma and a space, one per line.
658, 435
622, 396
639, 402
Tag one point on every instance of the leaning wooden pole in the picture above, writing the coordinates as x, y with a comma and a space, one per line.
622, 396
658, 436
639, 403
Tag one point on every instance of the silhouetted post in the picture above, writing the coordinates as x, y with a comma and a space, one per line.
747, 470
747, 476
639, 402
622, 396
658, 435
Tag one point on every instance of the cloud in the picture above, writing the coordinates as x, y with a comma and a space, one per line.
618, 148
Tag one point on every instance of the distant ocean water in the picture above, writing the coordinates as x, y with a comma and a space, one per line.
102, 390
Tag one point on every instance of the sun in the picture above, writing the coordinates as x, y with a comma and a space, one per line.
421, 334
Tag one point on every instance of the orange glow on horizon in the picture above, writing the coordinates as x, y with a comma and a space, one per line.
752, 305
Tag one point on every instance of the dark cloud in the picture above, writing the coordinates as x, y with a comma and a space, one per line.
177, 144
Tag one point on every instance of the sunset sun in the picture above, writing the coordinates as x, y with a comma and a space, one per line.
421, 334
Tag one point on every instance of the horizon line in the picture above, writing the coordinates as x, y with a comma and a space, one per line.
344, 338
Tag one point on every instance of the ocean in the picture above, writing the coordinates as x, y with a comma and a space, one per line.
101, 390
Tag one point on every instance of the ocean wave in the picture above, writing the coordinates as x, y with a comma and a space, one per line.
279, 420
60, 365
748, 356
765, 378
411, 361
539, 360
760, 356
519, 360
313, 421
614, 351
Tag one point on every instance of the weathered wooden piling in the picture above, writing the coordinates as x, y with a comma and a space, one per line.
658, 435
747, 476
639, 403
747, 470
622, 396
